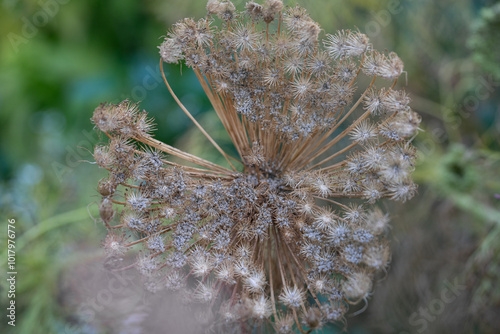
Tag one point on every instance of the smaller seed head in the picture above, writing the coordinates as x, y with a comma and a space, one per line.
292, 297
313, 318
357, 286
260, 307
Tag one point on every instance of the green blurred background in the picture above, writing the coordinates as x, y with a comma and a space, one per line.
60, 58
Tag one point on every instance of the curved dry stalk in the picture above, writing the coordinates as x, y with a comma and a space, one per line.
183, 155
269, 251
226, 156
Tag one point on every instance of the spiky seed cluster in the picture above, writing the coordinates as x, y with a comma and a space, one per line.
287, 233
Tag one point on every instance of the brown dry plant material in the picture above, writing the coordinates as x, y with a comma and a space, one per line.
286, 235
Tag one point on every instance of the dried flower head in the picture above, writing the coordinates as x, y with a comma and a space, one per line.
286, 232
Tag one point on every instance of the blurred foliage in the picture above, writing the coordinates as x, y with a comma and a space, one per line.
484, 39
54, 72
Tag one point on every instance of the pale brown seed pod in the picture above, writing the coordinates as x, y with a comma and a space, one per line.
106, 211
106, 187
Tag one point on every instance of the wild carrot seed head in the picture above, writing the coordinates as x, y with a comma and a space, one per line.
291, 219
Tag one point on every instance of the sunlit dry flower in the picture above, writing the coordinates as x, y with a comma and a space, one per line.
286, 232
